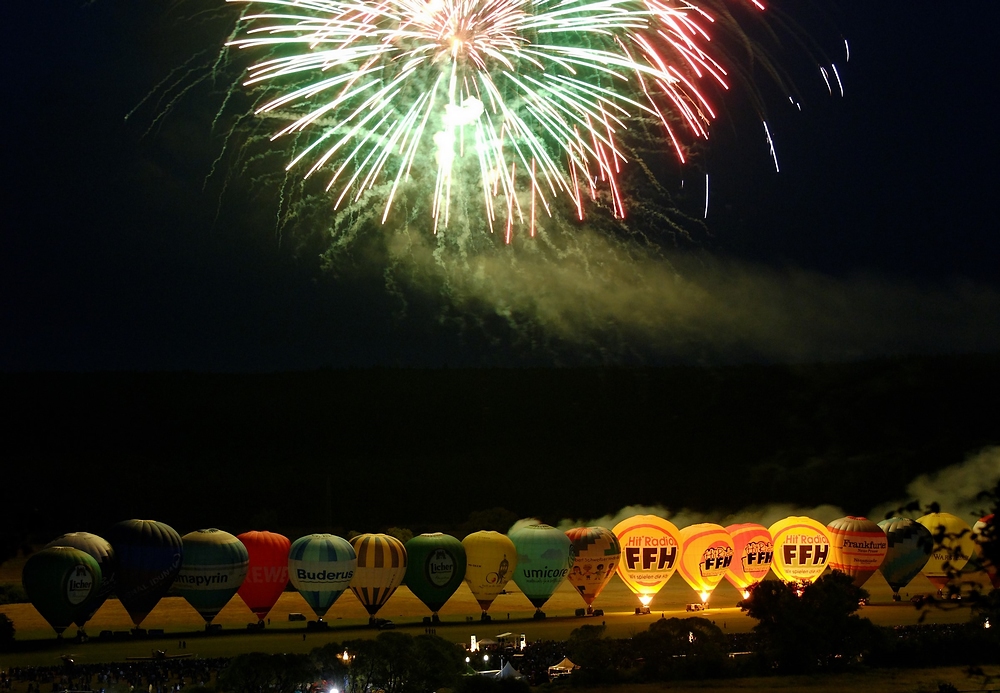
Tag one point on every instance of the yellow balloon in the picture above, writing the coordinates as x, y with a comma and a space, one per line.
490, 560
953, 546
753, 551
706, 554
381, 568
801, 549
651, 552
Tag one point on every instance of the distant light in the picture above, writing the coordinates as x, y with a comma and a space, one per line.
987, 624
486, 658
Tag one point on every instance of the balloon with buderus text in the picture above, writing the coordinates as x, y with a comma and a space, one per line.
320, 567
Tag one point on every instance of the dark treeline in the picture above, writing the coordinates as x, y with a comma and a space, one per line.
365, 449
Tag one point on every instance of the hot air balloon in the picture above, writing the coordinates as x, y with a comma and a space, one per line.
148, 555
953, 546
62, 583
544, 559
490, 561
979, 533
857, 547
597, 554
753, 551
909, 547
214, 566
801, 549
267, 571
321, 567
381, 569
435, 567
706, 554
101, 551
651, 552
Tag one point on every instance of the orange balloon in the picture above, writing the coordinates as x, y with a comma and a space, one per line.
859, 547
801, 549
753, 551
706, 554
651, 551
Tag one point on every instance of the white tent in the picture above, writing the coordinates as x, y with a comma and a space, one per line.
509, 672
563, 668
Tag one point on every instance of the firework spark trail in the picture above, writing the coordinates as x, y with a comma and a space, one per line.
538, 92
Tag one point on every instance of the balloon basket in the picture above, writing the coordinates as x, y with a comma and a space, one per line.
539, 614
138, 632
485, 617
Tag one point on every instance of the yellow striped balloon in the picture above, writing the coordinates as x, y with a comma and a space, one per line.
381, 568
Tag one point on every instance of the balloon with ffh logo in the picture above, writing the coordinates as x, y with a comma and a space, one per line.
801, 549
214, 566
706, 554
651, 553
858, 547
753, 551
320, 567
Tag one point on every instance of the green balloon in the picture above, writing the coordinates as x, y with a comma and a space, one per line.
435, 567
544, 558
62, 583
214, 566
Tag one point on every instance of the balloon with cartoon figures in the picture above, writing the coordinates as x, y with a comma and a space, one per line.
753, 551
597, 556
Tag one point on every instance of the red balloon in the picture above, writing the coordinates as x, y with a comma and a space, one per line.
267, 574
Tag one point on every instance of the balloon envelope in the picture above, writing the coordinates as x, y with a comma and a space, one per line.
801, 549
544, 559
706, 554
267, 570
490, 561
148, 555
381, 569
435, 567
61, 583
320, 567
214, 566
953, 546
597, 555
651, 549
100, 550
858, 547
909, 547
980, 534
753, 551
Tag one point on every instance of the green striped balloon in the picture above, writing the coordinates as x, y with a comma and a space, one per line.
320, 567
214, 566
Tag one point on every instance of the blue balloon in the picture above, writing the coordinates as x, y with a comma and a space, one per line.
910, 547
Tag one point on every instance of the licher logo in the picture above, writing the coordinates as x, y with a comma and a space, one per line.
440, 567
80, 585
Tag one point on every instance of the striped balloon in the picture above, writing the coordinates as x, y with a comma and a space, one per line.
706, 554
857, 546
320, 567
381, 568
753, 551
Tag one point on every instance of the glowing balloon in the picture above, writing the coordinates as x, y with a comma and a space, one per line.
953, 546
148, 555
857, 546
381, 569
490, 561
752, 555
100, 550
706, 554
320, 567
991, 570
597, 555
544, 559
909, 547
801, 549
651, 551
62, 583
267, 570
435, 567
214, 566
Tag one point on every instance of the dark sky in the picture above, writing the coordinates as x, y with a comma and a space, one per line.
876, 237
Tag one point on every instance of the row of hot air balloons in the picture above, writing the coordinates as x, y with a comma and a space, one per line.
140, 560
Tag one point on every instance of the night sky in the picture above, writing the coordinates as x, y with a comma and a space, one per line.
876, 238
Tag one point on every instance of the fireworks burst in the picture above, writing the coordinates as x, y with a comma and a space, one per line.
528, 98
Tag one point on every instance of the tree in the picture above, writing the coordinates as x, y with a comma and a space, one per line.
817, 629
675, 647
401, 533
